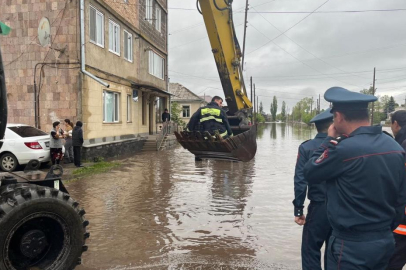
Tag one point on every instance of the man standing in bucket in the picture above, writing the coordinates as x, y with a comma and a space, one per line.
366, 189
317, 229
211, 118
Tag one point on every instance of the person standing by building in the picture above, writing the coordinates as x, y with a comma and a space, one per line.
166, 117
77, 142
55, 142
317, 229
68, 141
212, 118
398, 260
366, 190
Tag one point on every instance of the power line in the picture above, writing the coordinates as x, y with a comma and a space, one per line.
309, 12
300, 46
301, 60
304, 18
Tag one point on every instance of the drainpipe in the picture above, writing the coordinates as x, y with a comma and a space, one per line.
82, 45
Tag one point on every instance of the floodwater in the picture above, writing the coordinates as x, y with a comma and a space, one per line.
163, 210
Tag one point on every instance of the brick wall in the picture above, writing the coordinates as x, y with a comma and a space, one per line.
21, 52
148, 29
128, 11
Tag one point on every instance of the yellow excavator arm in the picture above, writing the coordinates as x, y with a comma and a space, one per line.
218, 18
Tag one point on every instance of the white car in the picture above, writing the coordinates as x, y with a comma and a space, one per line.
21, 144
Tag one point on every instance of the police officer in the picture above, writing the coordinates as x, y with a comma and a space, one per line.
211, 118
398, 260
366, 190
317, 229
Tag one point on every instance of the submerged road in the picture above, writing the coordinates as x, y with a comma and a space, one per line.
163, 210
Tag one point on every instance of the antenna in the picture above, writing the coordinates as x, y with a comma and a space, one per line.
44, 32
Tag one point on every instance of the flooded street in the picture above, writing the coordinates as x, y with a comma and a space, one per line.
163, 210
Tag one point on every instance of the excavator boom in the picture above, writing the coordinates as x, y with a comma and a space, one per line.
218, 18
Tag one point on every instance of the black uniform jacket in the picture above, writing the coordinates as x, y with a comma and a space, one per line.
316, 192
210, 125
77, 136
366, 189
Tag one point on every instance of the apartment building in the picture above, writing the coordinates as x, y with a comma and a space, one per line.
106, 65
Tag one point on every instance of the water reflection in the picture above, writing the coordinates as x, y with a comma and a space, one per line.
260, 130
273, 131
163, 210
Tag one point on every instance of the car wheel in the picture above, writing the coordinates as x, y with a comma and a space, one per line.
8, 162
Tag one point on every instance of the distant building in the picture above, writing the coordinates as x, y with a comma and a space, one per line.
188, 100
125, 46
206, 98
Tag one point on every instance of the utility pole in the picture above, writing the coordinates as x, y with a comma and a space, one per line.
405, 103
373, 93
245, 33
318, 108
257, 105
252, 117
251, 86
255, 120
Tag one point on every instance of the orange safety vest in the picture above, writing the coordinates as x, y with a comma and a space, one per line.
401, 229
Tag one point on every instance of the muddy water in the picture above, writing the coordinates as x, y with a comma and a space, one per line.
163, 210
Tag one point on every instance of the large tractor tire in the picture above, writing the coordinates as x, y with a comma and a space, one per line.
40, 228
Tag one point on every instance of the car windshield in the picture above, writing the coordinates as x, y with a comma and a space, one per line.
27, 131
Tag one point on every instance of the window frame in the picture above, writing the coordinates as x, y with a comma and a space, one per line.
97, 12
158, 18
186, 105
129, 38
116, 108
149, 11
115, 25
129, 109
151, 65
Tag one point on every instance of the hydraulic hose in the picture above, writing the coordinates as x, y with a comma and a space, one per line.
221, 9
198, 8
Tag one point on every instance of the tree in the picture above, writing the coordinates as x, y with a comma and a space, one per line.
259, 118
175, 114
274, 108
283, 111
385, 103
301, 112
261, 108
391, 105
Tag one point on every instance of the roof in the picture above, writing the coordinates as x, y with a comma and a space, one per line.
181, 93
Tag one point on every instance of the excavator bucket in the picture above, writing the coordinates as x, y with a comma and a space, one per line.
241, 147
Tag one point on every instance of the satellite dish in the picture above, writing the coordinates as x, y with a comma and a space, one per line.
44, 32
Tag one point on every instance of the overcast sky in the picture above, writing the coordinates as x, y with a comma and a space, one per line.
322, 49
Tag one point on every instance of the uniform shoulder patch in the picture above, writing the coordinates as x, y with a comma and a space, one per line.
322, 156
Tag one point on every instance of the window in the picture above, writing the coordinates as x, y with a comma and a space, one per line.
149, 4
158, 15
27, 131
111, 101
129, 108
114, 37
186, 111
156, 65
128, 46
96, 26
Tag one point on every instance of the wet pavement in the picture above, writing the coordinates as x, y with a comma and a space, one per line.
163, 210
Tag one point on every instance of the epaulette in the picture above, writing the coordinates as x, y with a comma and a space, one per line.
304, 142
387, 133
338, 139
